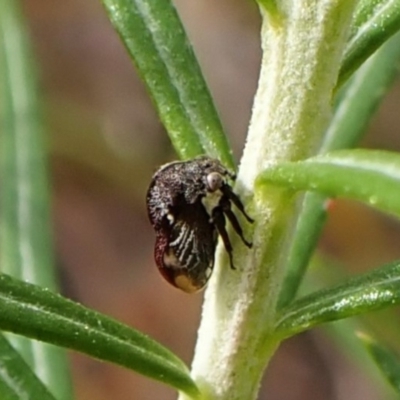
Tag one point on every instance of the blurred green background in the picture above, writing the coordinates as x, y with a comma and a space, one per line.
105, 142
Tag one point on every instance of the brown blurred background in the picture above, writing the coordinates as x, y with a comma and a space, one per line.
105, 142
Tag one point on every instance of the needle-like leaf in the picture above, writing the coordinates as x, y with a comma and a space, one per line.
40, 314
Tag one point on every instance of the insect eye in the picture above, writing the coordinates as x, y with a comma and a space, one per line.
214, 181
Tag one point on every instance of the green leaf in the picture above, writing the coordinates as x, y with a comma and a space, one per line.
26, 245
356, 104
370, 176
386, 360
309, 225
361, 96
17, 381
155, 39
271, 7
374, 22
341, 333
37, 313
368, 292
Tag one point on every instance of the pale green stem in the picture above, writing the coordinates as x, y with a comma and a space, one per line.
302, 42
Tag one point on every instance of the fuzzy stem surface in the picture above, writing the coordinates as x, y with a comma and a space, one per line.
303, 42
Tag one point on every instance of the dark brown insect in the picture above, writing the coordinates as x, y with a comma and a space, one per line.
187, 202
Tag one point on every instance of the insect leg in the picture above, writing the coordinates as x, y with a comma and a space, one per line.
231, 195
219, 221
236, 226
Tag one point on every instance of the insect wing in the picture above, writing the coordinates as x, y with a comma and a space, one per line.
186, 255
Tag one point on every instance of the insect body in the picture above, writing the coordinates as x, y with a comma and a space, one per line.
187, 202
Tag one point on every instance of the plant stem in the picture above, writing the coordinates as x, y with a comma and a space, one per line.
302, 44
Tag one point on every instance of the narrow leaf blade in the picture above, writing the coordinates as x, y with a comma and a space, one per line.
37, 313
385, 359
370, 176
17, 381
368, 292
26, 245
375, 21
156, 41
